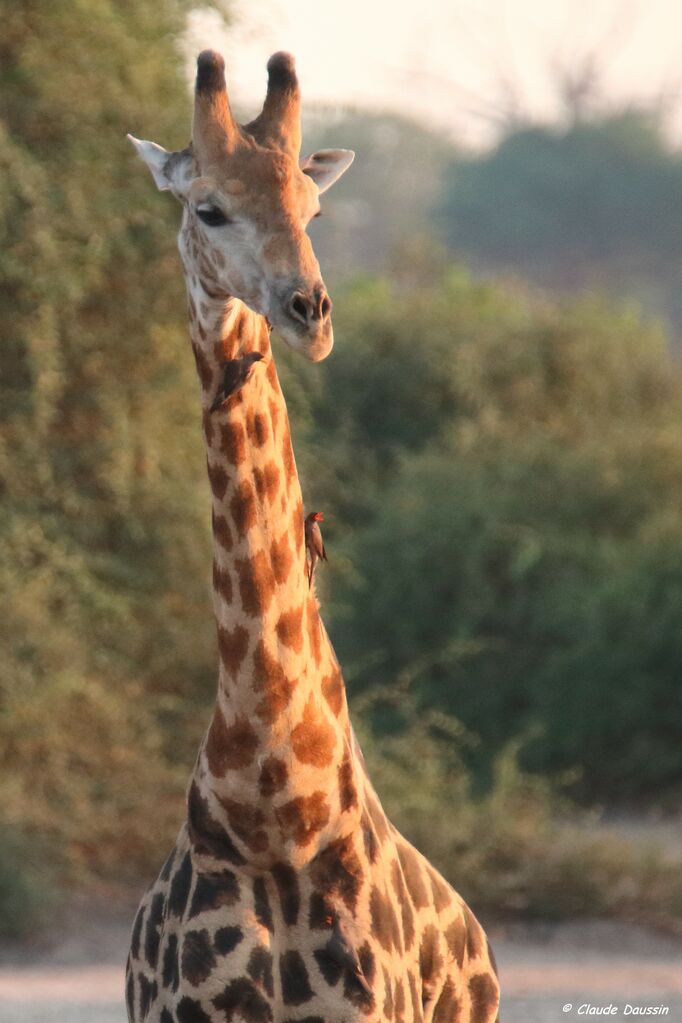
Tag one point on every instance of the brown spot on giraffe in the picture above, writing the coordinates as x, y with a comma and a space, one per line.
288, 461
256, 583
222, 582
281, 558
302, 817
313, 739
384, 921
259, 968
198, 958
229, 748
388, 995
414, 996
430, 958
267, 482
369, 838
243, 508
289, 629
399, 999
222, 532
448, 1008
270, 679
348, 794
272, 376
247, 823
273, 776
233, 442
333, 691
456, 937
484, 998
405, 904
239, 1000
233, 644
218, 479
260, 430
475, 936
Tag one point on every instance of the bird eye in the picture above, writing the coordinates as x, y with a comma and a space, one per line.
212, 216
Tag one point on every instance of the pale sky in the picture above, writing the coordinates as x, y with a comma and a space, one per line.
456, 64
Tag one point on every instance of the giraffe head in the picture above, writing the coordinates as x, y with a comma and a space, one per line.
248, 198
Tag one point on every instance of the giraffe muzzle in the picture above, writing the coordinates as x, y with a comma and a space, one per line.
305, 323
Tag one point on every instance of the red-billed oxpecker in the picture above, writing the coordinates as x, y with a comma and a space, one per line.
314, 543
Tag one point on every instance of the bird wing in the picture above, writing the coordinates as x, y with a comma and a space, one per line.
362, 980
234, 376
318, 542
340, 948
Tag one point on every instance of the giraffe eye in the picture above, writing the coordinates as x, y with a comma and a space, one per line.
212, 216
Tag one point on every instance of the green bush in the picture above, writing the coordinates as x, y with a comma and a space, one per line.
104, 530
506, 480
590, 202
518, 848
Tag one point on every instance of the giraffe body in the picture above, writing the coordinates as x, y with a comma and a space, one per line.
288, 896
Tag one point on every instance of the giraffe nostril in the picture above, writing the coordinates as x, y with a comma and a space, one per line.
310, 307
299, 307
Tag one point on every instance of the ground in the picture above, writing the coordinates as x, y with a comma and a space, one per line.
75, 974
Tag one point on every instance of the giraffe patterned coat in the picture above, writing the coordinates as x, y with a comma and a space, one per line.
285, 847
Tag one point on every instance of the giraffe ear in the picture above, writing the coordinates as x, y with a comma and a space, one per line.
326, 166
169, 170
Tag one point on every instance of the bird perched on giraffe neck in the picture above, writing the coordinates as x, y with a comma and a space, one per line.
340, 949
235, 374
314, 543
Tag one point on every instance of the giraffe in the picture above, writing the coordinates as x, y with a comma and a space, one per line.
288, 896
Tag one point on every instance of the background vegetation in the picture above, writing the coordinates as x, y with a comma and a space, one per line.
501, 472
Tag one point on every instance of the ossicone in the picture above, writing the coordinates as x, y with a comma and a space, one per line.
279, 122
215, 133
210, 72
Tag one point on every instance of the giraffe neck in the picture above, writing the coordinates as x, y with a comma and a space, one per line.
276, 769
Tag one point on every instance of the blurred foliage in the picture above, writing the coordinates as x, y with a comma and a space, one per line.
517, 464
591, 204
390, 194
103, 540
519, 850
501, 476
